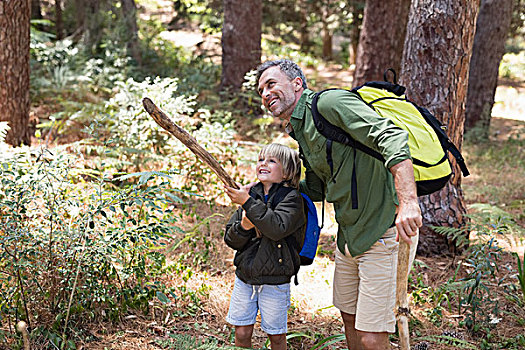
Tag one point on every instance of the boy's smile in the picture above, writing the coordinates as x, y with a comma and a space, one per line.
269, 171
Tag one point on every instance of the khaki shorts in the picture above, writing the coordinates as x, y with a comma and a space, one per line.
365, 285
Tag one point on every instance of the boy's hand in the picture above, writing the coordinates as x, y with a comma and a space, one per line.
246, 223
239, 196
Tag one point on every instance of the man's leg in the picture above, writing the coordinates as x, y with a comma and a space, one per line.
277, 341
373, 340
243, 336
350, 333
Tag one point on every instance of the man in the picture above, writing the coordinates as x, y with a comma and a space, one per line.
372, 217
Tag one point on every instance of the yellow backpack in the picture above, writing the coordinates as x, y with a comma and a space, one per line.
429, 144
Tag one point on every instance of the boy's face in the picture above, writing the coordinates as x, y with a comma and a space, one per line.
269, 170
278, 92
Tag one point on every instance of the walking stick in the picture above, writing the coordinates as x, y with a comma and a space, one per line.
167, 124
402, 310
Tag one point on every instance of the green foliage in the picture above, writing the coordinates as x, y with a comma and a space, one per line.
208, 13
437, 298
71, 254
512, 66
480, 305
4, 128
137, 138
279, 50
447, 340
487, 222
521, 273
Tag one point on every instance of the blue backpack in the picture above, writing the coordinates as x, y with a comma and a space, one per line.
313, 231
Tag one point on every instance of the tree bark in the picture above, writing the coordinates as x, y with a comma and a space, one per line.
492, 28
355, 30
36, 10
304, 35
381, 39
129, 15
327, 43
14, 69
59, 24
241, 41
440, 35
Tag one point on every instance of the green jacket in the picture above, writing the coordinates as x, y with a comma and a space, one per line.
359, 228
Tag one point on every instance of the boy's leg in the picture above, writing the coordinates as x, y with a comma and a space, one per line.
243, 336
274, 302
277, 341
242, 312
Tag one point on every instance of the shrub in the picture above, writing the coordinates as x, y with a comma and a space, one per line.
72, 253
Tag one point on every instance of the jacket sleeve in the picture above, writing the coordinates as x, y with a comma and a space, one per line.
235, 236
347, 111
280, 222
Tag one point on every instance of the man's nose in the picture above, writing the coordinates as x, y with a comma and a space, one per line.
266, 93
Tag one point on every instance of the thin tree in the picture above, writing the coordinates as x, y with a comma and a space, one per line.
241, 41
492, 29
440, 35
36, 10
14, 69
355, 30
59, 23
129, 15
381, 39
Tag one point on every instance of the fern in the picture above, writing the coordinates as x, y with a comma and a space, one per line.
4, 128
447, 340
188, 342
456, 234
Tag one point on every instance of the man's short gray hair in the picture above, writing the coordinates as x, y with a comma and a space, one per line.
288, 67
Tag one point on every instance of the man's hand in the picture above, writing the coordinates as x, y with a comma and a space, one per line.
241, 195
408, 219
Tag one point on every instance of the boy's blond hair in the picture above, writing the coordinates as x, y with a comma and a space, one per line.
289, 159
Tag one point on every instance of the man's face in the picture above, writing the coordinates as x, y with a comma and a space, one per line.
278, 92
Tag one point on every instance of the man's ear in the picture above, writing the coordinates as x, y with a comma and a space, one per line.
298, 83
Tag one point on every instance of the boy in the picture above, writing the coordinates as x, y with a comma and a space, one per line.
267, 233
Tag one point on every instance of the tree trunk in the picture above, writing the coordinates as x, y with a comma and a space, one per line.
129, 15
327, 43
36, 10
92, 20
382, 38
489, 46
304, 35
59, 24
14, 69
355, 30
440, 35
241, 41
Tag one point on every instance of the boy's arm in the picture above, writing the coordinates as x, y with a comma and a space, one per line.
236, 236
280, 222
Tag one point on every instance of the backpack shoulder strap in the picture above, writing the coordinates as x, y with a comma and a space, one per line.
335, 133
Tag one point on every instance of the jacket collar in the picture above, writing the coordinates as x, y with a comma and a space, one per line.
258, 190
300, 108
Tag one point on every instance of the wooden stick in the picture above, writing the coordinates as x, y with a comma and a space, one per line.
165, 122
402, 310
